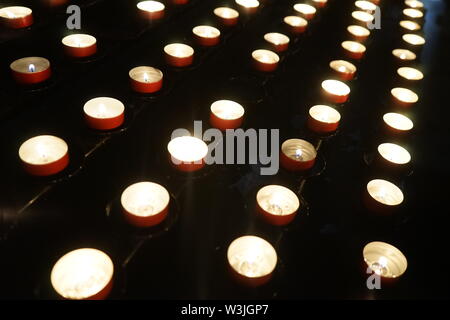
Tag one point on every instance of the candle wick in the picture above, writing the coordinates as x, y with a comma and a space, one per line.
31, 68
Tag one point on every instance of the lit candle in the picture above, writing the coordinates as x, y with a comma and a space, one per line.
296, 24
206, 36
410, 25
30, 70
383, 195
83, 274
413, 39
44, 155
104, 113
297, 155
404, 54
187, 153
404, 97
415, 4
252, 260
306, 10
366, 6
410, 73
277, 204
16, 17
336, 91
323, 119
145, 204
146, 79
413, 13
362, 17
320, 3
249, 6
353, 50
179, 55
226, 114
279, 41
393, 155
227, 16
385, 260
265, 60
79, 45
358, 33
397, 122
151, 9
343, 69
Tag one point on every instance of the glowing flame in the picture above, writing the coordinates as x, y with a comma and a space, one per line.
146, 77
31, 68
10, 14
298, 154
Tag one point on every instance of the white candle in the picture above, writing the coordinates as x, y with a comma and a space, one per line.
398, 121
277, 39
405, 95
410, 73
43, 149
413, 13
394, 153
414, 4
187, 149
410, 25
413, 39
385, 259
249, 4
307, 10
362, 16
404, 54
358, 31
226, 13
385, 192
365, 5
227, 109
277, 200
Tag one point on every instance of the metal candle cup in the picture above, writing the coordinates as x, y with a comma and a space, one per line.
179, 55
16, 17
79, 45
397, 123
404, 97
227, 16
362, 18
382, 196
358, 33
146, 79
385, 260
297, 155
393, 157
187, 153
152, 10
265, 60
277, 204
403, 56
278, 41
226, 114
296, 24
249, 6
353, 50
206, 36
104, 113
30, 70
343, 69
323, 119
410, 25
335, 91
306, 10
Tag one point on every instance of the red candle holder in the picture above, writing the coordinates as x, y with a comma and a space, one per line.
297, 155
397, 124
248, 6
410, 25
83, 274
227, 16
382, 196
323, 119
30, 70
353, 50
403, 55
358, 33
413, 13
320, 3
403, 97
362, 18
104, 113
16, 17
79, 45
278, 41
265, 60
306, 10
415, 4
277, 204
179, 55
152, 10
44, 155
145, 204
335, 91
413, 40
296, 25
206, 36
146, 79
187, 153
385, 260
226, 114
367, 6
343, 69
393, 158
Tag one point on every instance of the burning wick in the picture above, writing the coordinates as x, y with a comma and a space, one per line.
342, 69
10, 14
41, 149
379, 267
146, 77
101, 110
298, 154
274, 204
31, 68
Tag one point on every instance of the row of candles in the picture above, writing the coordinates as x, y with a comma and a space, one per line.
146, 204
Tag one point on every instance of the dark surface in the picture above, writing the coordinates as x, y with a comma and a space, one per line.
319, 254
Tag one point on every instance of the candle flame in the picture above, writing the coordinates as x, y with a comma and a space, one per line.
342, 68
146, 78
298, 154
42, 152
10, 14
101, 110
31, 68
275, 204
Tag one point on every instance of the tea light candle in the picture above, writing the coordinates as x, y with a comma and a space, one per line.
206, 36
413, 13
404, 54
410, 25
323, 119
413, 39
320, 3
358, 33
44, 155
404, 97
151, 9
383, 195
179, 55
265, 60
343, 69
296, 24
279, 41
414, 4
297, 155
145, 204
366, 6
250, 6
306, 10
353, 50
362, 16
252, 260
410, 73
79, 45
336, 91
16, 17
187, 153
226, 114
394, 155
146, 79
277, 204
30, 70
227, 16
104, 113
385, 260
397, 122
83, 274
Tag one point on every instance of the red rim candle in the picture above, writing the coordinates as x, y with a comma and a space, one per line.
362, 17
227, 16
335, 91
404, 97
79, 45
265, 60
179, 55
145, 204
206, 36
343, 69
353, 49
30, 70
306, 10
187, 153
385, 260
44, 155
16, 17
394, 155
409, 73
397, 123
323, 119
146, 79
278, 41
252, 260
320, 3
415, 4
104, 113
152, 10
413, 39
226, 114
367, 6
277, 204
410, 25
297, 155
249, 6
358, 33
83, 274
383, 196
403, 55
413, 13
296, 24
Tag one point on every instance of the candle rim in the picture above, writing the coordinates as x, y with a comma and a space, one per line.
146, 69
409, 4
271, 54
409, 13
389, 117
189, 50
410, 55
22, 65
162, 198
107, 264
393, 252
214, 30
405, 23
284, 38
203, 148
409, 38
365, 5
362, 16
270, 189
159, 6
412, 96
114, 106
304, 8
237, 107
295, 142
395, 191
365, 31
403, 71
348, 65
327, 86
301, 22
349, 45
248, 3
383, 148
234, 13
333, 113
28, 146
26, 11
91, 39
